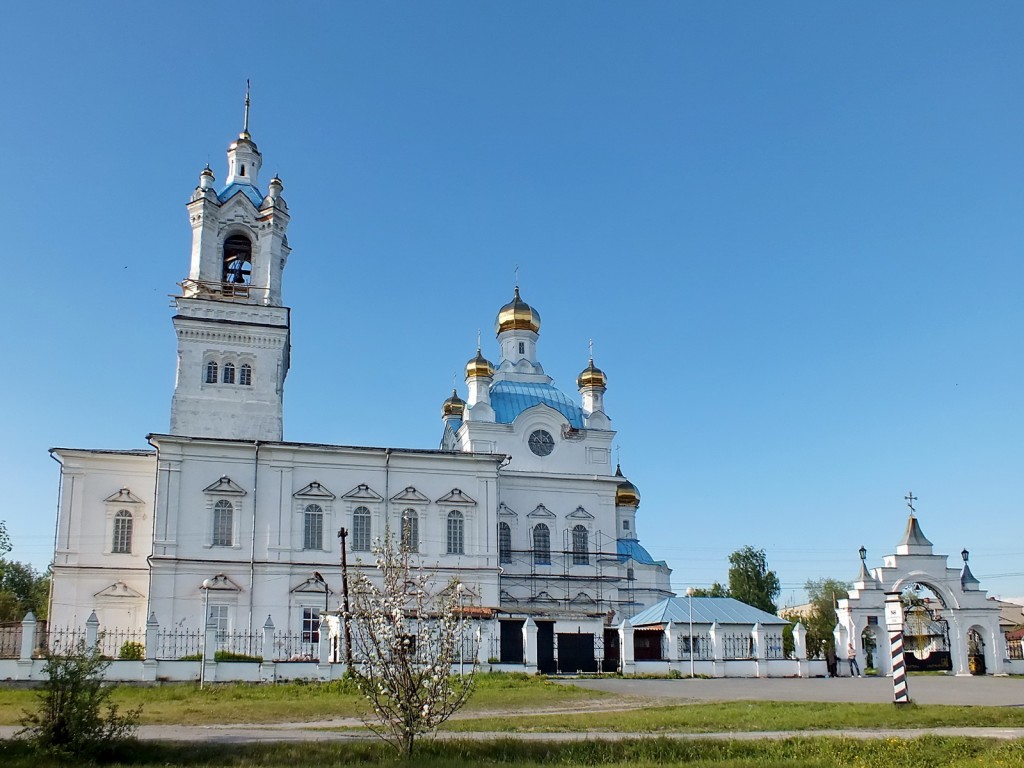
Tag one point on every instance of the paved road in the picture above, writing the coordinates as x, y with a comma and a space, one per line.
925, 689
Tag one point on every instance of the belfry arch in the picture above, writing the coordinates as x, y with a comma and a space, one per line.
954, 627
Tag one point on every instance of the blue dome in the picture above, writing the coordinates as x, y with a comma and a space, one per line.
510, 398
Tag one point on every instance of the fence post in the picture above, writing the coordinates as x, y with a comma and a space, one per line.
268, 669
530, 645
628, 657
150, 664
28, 636
208, 665
717, 651
760, 648
800, 649
152, 631
92, 631
324, 648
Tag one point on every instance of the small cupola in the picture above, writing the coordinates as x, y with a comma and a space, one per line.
454, 406
244, 158
591, 377
479, 367
626, 494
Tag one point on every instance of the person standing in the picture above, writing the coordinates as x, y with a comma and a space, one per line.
851, 655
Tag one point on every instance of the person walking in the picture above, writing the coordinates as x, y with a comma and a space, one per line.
851, 655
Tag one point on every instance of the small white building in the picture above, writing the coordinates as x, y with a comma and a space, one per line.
520, 503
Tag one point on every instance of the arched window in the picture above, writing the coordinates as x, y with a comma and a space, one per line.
229, 373
456, 533
122, 543
580, 553
237, 260
245, 375
313, 527
361, 530
211, 372
541, 545
223, 524
410, 531
504, 543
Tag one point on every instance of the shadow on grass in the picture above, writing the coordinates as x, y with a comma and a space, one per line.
930, 752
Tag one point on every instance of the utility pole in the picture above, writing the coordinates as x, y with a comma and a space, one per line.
343, 534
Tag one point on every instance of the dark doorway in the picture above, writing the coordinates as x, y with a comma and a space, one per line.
576, 653
610, 663
511, 641
647, 644
546, 648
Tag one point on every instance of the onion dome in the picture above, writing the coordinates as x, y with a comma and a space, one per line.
453, 406
626, 494
479, 367
517, 315
591, 376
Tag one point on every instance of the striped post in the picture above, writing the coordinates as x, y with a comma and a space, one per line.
894, 623
900, 692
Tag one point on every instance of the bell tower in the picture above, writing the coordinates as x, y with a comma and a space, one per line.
233, 331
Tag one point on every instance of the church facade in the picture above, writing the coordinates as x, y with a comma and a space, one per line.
520, 503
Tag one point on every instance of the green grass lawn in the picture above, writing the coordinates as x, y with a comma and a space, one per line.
711, 717
185, 704
926, 752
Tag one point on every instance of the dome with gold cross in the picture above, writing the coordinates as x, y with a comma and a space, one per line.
479, 367
591, 376
517, 315
626, 494
453, 406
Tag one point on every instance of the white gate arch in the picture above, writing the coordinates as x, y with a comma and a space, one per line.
964, 605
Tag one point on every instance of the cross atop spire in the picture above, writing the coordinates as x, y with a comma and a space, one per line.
910, 498
515, 278
245, 121
590, 344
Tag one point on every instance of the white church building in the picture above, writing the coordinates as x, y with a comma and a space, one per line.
521, 502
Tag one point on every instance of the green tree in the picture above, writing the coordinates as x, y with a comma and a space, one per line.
22, 589
750, 581
75, 718
715, 590
5, 540
821, 619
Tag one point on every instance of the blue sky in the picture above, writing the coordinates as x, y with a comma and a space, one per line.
792, 230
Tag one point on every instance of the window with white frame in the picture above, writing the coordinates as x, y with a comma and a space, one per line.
219, 619
245, 375
504, 543
313, 527
410, 531
361, 529
122, 542
229, 373
310, 625
541, 545
211, 372
456, 533
580, 548
223, 524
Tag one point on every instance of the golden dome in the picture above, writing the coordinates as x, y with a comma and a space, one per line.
626, 494
479, 367
453, 406
517, 315
591, 376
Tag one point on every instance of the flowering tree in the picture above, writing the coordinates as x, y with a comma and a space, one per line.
406, 634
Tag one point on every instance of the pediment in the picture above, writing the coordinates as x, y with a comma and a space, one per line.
580, 514
410, 496
225, 486
541, 511
506, 597
118, 590
221, 583
363, 492
504, 510
123, 496
584, 598
543, 597
314, 491
456, 496
309, 586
